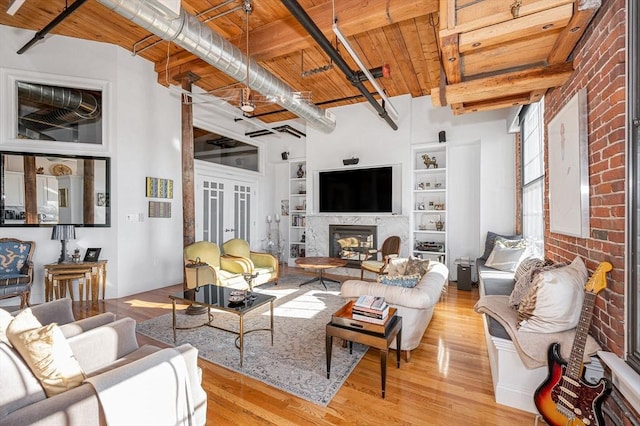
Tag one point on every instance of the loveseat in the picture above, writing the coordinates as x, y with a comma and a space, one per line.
125, 383
518, 359
415, 305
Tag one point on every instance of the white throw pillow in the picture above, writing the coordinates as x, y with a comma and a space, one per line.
506, 256
554, 302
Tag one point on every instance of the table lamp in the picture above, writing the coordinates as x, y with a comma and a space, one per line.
63, 233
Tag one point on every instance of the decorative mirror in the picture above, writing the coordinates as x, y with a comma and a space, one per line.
49, 189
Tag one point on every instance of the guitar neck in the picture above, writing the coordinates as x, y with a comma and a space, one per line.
574, 366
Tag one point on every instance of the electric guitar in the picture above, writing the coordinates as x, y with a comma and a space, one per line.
565, 398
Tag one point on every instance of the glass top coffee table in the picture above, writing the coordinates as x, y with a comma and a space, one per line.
238, 302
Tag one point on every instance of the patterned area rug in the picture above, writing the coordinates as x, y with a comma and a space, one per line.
296, 363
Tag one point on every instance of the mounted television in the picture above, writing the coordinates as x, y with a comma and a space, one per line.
363, 190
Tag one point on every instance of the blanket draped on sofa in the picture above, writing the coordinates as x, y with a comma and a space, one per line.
532, 347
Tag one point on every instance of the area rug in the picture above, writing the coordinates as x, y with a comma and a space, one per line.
296, 363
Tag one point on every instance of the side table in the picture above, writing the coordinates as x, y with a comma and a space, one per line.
94, 274
379, 337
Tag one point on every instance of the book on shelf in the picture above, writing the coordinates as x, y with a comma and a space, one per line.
371, 302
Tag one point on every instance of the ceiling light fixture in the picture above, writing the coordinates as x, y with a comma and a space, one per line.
365, 71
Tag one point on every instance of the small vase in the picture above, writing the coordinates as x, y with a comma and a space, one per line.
300, 171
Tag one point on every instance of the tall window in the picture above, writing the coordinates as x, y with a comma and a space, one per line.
633, 240
533, 177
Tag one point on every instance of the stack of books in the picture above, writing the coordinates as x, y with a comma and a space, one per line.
371, 309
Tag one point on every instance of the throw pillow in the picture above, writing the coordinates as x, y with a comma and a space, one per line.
24, 321
408, 281
526, 265
49, 356
506, 256
397, 266
554, 302
491, 240
523, 284
417, 266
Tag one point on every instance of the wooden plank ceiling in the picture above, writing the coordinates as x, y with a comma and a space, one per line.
471, 54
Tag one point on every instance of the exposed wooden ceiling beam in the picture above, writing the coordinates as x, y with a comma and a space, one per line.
451, 58
286, 35
509, 31
475, 15
509, 84
569, 37
492, 104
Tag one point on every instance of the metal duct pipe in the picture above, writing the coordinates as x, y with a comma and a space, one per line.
197, 38
77, 103
303, 18
73, 106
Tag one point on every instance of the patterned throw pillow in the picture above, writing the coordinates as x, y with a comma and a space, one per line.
523, 284
526, 265
554, 302
396, 266
417, 266
408, 281
491, 240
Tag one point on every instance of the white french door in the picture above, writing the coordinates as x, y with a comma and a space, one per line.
223, 209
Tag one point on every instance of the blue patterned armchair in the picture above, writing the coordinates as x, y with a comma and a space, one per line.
16, 269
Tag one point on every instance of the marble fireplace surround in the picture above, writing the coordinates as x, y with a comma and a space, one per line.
317, 234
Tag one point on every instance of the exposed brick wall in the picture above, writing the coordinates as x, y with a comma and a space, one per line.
600, 67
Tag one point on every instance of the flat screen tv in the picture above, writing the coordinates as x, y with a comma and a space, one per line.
366, 190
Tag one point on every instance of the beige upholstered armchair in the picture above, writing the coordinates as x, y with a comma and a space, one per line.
390, 248
264, 264
218, 270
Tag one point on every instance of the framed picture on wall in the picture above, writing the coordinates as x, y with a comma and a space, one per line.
569, 168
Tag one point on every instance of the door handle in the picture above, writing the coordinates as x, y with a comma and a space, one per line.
229, 229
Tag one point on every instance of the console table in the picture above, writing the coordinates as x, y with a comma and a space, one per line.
92, 274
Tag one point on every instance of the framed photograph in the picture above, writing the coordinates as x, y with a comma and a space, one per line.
92, 255
569, 169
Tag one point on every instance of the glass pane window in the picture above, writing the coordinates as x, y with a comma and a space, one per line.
532, 163
57, 113
218, 149
533, 216
532, 149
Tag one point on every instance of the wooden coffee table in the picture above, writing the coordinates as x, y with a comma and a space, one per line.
320, 263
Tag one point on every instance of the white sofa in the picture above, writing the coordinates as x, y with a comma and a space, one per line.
415, 305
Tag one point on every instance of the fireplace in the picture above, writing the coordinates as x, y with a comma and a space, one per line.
352, 242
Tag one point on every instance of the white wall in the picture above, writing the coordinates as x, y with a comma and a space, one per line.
497, 154
144, 132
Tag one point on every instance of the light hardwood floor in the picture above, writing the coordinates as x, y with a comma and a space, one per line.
446, 382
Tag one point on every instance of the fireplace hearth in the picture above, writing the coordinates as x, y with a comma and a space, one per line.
352, 242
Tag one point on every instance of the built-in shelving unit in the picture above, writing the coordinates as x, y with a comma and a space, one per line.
297, 209
429, 197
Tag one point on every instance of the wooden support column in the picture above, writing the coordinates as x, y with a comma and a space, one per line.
30, 190
188, 191
188, 201
88, 192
